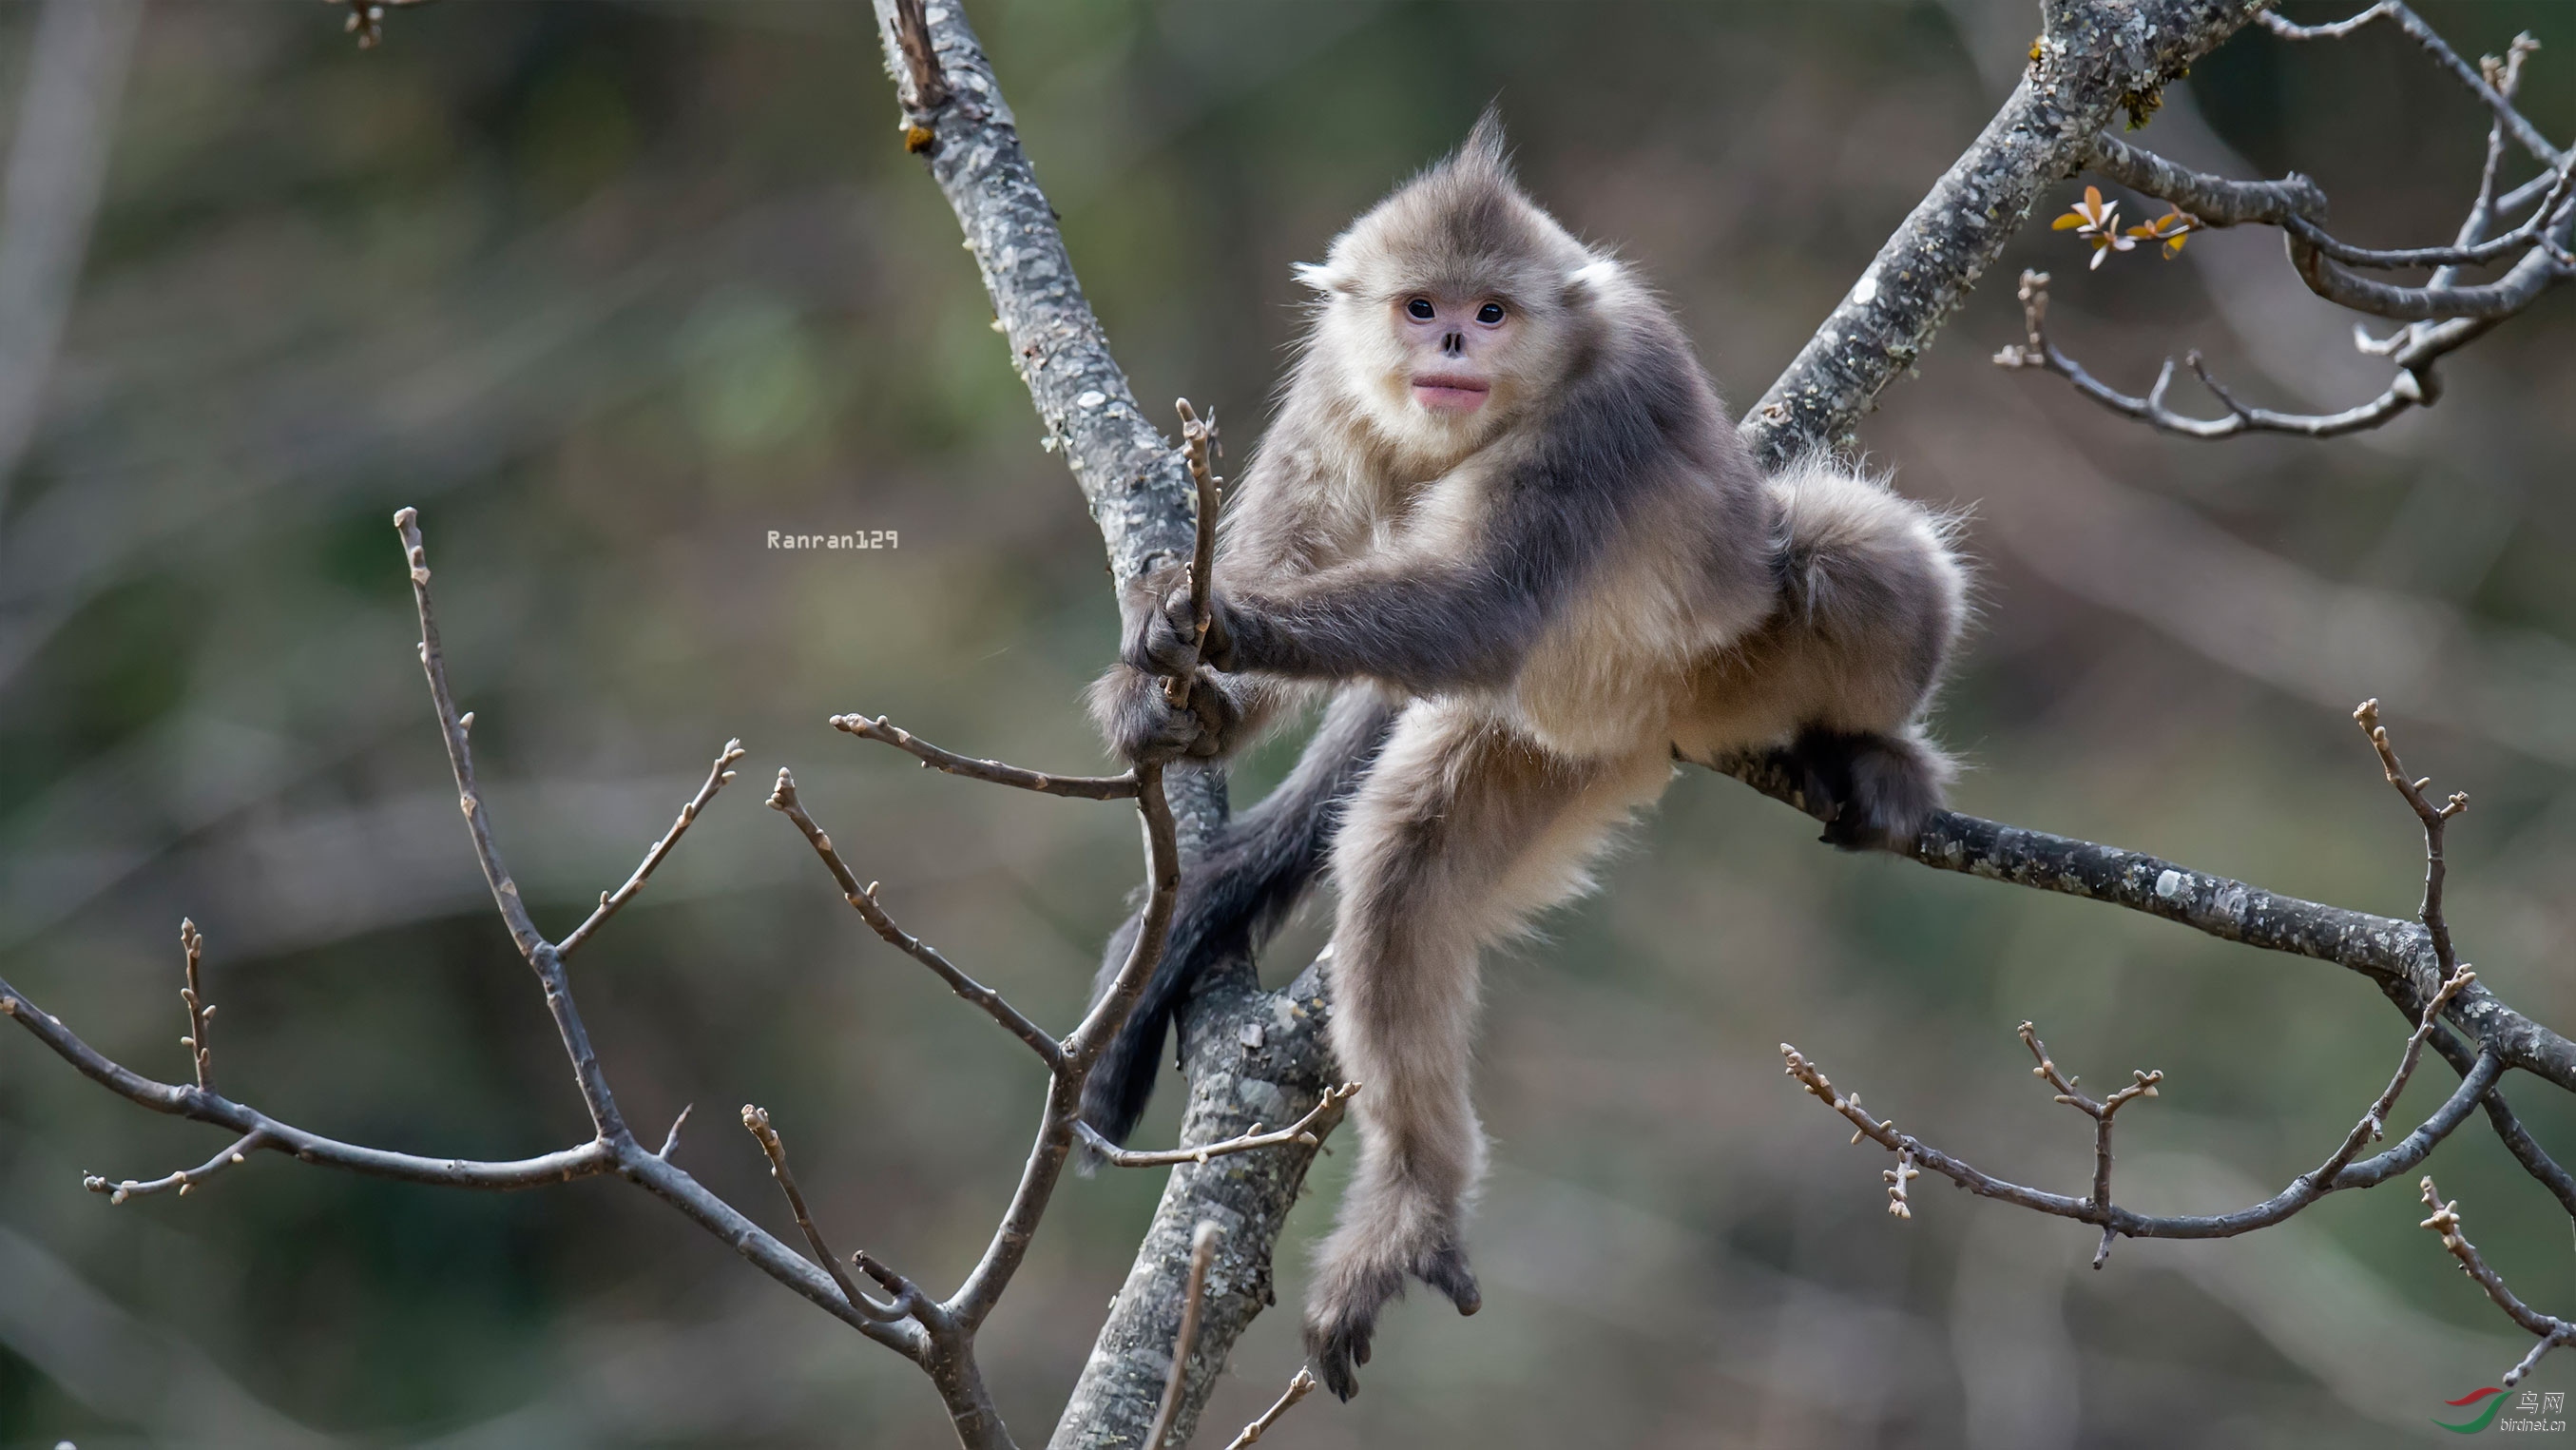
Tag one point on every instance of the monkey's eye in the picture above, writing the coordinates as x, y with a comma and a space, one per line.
1421, 307
1490, 314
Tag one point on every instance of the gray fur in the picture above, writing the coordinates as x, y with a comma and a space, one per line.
1501, 488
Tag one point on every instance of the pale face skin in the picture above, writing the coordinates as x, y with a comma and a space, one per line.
1452, 346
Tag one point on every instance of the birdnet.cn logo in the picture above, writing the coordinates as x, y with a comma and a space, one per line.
2532, 1410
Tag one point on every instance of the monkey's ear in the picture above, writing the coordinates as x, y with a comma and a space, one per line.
1322, 278
1588, 282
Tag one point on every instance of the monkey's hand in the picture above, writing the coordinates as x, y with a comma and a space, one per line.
1161, 630
1144, 727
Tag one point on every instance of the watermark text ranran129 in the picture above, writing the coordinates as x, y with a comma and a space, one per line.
860, 539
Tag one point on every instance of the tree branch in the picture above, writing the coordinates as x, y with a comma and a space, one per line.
1083, 787
1307, 1131
1300, 1385
2553, 1331
864, 899
2337, 1173
2089, 62
2443, 314
719, 776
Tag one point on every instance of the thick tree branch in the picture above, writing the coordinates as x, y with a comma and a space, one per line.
2386, 950
2090, 61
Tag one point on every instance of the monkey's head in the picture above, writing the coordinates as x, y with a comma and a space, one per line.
1453, 306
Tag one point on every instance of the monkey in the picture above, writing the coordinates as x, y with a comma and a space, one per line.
1503, 527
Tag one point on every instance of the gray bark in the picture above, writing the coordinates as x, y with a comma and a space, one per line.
1253, 1057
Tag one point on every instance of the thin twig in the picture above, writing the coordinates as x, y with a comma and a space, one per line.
864, 899
452, 728
1202, 1253
927, 88
2337, 1173
671, 1139
200, 1011
1080, 787
2553, 1331
185, 1178
756, 1121
719, 776
2101, 1111
974, 1299
199, 1105
1308, 1131
1298, 1388
1198, 445
2037, 351
2436, 821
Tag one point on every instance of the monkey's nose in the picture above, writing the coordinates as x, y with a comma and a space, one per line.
1453, 345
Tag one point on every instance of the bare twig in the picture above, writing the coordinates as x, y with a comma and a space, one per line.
1300, 1386
2442, 314
2552, 1330
671, 1139
452, 729
185, 1178
2094, 1208
756, 1121
2037, 351
200, 1011
864, 899
719, 776
925, 87
2436, 820
1202, 1251
1082, 787
1082, 1048
1308, 1130
2101, 1111
204, 1106
1198, 445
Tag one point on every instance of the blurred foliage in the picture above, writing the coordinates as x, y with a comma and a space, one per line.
612, 290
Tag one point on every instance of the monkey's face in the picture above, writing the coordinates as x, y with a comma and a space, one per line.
1445, 365
1451, 345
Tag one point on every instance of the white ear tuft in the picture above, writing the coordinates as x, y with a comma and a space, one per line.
1592, 276
1320, 276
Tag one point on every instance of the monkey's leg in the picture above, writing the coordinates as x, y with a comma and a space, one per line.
1461, 833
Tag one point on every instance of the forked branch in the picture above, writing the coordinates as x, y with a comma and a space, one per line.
2442, 314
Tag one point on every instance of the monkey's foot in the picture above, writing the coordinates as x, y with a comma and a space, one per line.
1341, 1318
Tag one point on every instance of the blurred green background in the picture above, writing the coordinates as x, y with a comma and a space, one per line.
612, 290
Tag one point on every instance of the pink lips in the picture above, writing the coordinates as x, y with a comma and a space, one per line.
1450, 392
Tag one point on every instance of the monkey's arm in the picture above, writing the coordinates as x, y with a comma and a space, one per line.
1451, 606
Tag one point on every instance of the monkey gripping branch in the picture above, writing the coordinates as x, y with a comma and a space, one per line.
1249, 1052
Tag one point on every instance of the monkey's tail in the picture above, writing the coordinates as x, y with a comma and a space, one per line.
1878, 596
1240, 889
